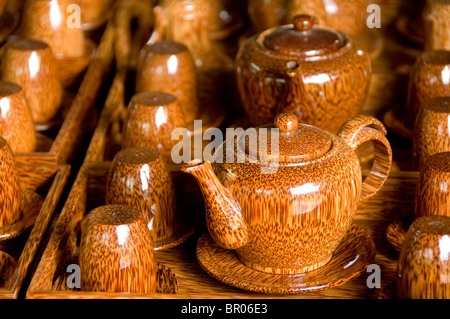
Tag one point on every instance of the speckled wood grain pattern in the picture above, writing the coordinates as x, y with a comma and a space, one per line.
150, 120
16, 122
10, 188
31, 64
39, 22
168, 66
116, 251
431, 131
139, 178
268, 86
433, 188
294, 217
428, 79
424, 261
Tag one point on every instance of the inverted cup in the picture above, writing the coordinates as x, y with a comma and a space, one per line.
139, 178
168, 66
10, 188
16, 122
433, 188
424, 263
116, 251
54, 22
436, 16
31, 64
151, 118
429, 78
432, 130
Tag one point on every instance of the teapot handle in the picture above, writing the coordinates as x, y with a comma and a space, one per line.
364, 128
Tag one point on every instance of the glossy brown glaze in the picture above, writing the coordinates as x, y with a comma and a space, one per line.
431, 130
16, 122
168, 66
37, 74
139, 178
47, 21
224, 266
150, 120
289, 207
10, 195
324, 81
424, 262
433, 188
116, 251
429, 78
436, 17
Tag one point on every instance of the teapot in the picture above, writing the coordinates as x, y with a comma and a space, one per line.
318, 73
288, 216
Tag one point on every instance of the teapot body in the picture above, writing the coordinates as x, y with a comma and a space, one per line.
297, 215
323, 91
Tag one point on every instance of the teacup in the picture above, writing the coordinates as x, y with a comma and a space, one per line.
31, 64
16, 122
432, 130
424, 263
168, 66
116, 251
433, 188
54, 22
436, 16
139, 178
10, 210
429, 78
150, 120
266, 16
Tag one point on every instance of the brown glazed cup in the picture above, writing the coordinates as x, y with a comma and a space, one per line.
10, 188
433, 188
424, 263
31, 64
168, 66
150, 120
49, 21
436, 16
266, 16
429, 78
95, 13
432, 130
16, 122
116, 251
139, 178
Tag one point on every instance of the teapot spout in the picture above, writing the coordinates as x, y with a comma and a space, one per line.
224, 219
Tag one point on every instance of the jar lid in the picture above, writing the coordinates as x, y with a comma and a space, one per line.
296, 142
304, 39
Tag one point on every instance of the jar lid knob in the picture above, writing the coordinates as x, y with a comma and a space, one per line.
286, 122
304, 22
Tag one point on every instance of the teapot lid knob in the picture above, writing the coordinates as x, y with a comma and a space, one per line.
286, 122
304, 22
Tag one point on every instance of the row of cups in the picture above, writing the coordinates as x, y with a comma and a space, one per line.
42, 60
423, 270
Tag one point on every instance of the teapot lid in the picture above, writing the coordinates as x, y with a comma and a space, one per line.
296, 142
303, 38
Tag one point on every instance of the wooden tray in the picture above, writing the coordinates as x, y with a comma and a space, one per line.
82, 114
394, 200
48, 181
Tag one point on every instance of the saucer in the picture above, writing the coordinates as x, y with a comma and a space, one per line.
31, 204
395, 233
397, 126
355, 252
7, 266
182, 233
